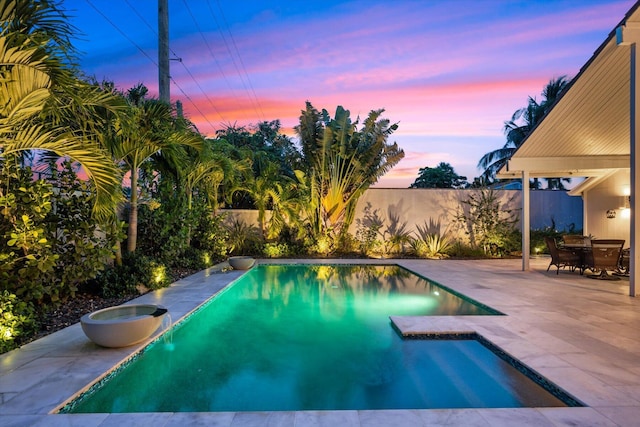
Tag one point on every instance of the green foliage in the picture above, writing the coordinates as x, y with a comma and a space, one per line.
157, 276
462, 250
49, 242
17, 319
442, 176
194, 259
151, 132
321, 245
137, 274
368, 229
114, 281
489, 225
522, 122
346, 244
162, 230
83, 248
340, 162
210, 235
244, 239
396, 238
27, 261
275, 250
432, 240
265, 145
374, 238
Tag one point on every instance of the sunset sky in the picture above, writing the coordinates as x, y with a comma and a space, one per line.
449, 72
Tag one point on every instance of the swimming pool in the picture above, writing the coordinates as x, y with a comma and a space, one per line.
302, 337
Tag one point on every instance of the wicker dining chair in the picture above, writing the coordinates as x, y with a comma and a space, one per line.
606, 256
561, 258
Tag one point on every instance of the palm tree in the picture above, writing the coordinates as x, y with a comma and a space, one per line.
149, 129
521, 124
343, 162
43, 105
265, 190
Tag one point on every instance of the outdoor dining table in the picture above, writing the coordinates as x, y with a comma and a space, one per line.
583, 250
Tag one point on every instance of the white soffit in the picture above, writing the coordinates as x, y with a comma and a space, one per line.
587, 130
591, 182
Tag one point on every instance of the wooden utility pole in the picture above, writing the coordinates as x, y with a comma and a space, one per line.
163, 50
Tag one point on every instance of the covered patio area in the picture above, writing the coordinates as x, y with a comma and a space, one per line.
593, 131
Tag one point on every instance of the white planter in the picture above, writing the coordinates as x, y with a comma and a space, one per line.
123, 325
241, 262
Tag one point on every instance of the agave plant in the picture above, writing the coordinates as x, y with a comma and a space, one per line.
432, 241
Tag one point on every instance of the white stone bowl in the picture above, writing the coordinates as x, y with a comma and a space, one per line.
241, 262
123, 325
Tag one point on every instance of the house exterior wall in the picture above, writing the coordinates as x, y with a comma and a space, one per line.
555, 208
608, 195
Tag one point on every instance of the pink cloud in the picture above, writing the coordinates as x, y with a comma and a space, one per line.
440, 70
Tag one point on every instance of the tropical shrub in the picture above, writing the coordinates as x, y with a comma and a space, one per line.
489, 225
243, 239
275, 250
76, 237
194, 259
395, 237
463, 250
49, 241
321, 245
367, 231
162, 229
137, 274
373, 237
340, 161
16, 319
26, 259
112, 282
210, 236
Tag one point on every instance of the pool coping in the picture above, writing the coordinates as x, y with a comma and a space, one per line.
35, 376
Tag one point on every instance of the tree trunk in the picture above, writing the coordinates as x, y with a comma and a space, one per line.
115, 231
189, 205
132, 232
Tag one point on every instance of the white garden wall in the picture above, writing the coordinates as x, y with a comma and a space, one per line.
415, 206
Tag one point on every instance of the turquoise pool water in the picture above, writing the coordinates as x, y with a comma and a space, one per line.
315, 337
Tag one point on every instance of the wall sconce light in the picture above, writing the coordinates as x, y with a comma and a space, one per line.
625, 202
611, 213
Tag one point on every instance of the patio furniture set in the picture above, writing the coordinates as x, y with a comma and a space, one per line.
582, 253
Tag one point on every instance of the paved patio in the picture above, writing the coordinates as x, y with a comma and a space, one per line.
582, 334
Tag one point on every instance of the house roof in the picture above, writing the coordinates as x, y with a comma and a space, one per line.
587, 131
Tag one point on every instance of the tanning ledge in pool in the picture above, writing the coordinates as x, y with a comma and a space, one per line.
534, 376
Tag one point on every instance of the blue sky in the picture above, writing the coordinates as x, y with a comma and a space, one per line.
449, 72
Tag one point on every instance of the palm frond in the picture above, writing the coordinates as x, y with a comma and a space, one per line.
95, 161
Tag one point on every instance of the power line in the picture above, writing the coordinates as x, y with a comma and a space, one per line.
204, 39
150, 59
122, 33
236, 50
183, 65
